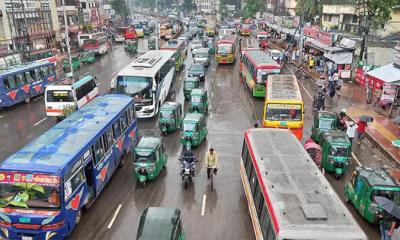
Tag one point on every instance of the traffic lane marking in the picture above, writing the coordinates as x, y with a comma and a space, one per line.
203, 206
1, 116
355, 158
114, 216
44, 119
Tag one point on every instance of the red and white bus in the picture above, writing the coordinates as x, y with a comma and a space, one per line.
226, 49
98, 44
288, 196
245, 30
262, 38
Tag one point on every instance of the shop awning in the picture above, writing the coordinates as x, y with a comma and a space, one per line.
340, 58
388, 74
323, 47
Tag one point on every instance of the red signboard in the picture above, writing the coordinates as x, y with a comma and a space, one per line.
17, 177
325, 38
311, 32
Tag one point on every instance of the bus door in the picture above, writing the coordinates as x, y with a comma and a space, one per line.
90, 179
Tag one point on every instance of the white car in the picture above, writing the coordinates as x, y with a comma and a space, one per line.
195, 45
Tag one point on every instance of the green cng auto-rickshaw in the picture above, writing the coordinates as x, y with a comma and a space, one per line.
160, 223
365, 184
189, 84
336, 150
324, 121
131, 46
149, 159
170, 117
76, 63
88, 57
151, 44
194, 129
198, 101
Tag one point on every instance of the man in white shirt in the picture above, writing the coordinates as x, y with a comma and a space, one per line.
351, 130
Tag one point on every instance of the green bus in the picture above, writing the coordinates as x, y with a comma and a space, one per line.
180, 48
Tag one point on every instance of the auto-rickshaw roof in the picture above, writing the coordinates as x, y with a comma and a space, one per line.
326, 114
170, 106
192, 79
193, 117
148, 143
336, 137
377, 177
198, 91
157, 223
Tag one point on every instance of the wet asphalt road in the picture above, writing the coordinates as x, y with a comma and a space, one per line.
232, 110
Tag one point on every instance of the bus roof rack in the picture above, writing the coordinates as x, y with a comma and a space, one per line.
147, 61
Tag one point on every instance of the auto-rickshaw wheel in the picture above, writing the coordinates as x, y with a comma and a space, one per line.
143, 184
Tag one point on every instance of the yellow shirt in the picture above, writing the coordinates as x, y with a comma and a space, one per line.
212, 160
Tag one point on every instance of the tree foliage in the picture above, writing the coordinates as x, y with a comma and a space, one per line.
120, 7
188, 5
252, 7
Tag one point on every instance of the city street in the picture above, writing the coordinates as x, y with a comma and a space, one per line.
218, 214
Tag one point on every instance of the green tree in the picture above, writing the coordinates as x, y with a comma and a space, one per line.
121, 8
188, 5
252, 7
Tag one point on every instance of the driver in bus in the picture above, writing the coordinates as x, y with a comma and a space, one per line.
54, 198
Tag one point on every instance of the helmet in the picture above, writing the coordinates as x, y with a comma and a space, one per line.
343, 110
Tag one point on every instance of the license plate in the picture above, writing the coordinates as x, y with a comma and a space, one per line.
27, 238
283, 123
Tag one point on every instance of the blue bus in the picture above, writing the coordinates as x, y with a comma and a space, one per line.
45, 185
22, 82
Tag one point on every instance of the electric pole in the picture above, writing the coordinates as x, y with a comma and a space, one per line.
67, 39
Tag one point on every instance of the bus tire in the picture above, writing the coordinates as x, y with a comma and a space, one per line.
28, 99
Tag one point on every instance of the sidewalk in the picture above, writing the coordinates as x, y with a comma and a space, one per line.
381, 132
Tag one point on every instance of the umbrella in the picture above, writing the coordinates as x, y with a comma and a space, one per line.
366, 118
389, 206
396, 119
396, 143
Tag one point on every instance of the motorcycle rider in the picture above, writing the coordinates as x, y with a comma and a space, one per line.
189, 157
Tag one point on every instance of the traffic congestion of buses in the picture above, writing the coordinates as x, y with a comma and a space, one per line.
48, 184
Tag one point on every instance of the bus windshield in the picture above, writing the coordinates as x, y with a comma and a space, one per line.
29, 195
224, 48
284, 112
59, 96
136, 86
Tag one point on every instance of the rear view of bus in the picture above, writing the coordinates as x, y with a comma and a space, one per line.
66, 96
284, 107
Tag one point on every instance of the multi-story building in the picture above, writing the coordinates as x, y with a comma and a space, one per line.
28, 25
72, 8
207, 6
345, 18
281, 7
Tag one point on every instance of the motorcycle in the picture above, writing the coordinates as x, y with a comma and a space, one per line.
187, 172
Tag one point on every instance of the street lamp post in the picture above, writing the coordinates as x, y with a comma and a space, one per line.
67, 38
156, 27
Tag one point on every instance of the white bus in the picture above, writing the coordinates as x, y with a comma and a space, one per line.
148, 80
69, 94
85, 36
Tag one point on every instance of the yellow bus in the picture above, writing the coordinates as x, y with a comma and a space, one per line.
284, 107
226, 49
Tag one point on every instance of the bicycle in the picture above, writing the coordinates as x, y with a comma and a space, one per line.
213, 170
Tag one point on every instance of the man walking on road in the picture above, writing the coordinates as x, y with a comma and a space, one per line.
387, 226
351, 130
361, 127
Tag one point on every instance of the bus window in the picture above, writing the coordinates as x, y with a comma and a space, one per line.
131, 110
51, 69
45, 71
124, 121
10, 82
73, 183
98, 151
108, 139
28, 76
117, 130
36, 74
21, 79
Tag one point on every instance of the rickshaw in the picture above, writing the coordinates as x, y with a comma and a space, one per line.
131, 46
324, 121
365, 185
198, 101
149, 158
194, 129
188, 85
336, 149
88, 57
160, 223
151, 44
315, 152
170, 117
76, 63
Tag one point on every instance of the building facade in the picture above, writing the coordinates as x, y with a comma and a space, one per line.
28, 25
207, 6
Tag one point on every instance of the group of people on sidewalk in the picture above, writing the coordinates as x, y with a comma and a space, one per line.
351, 128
